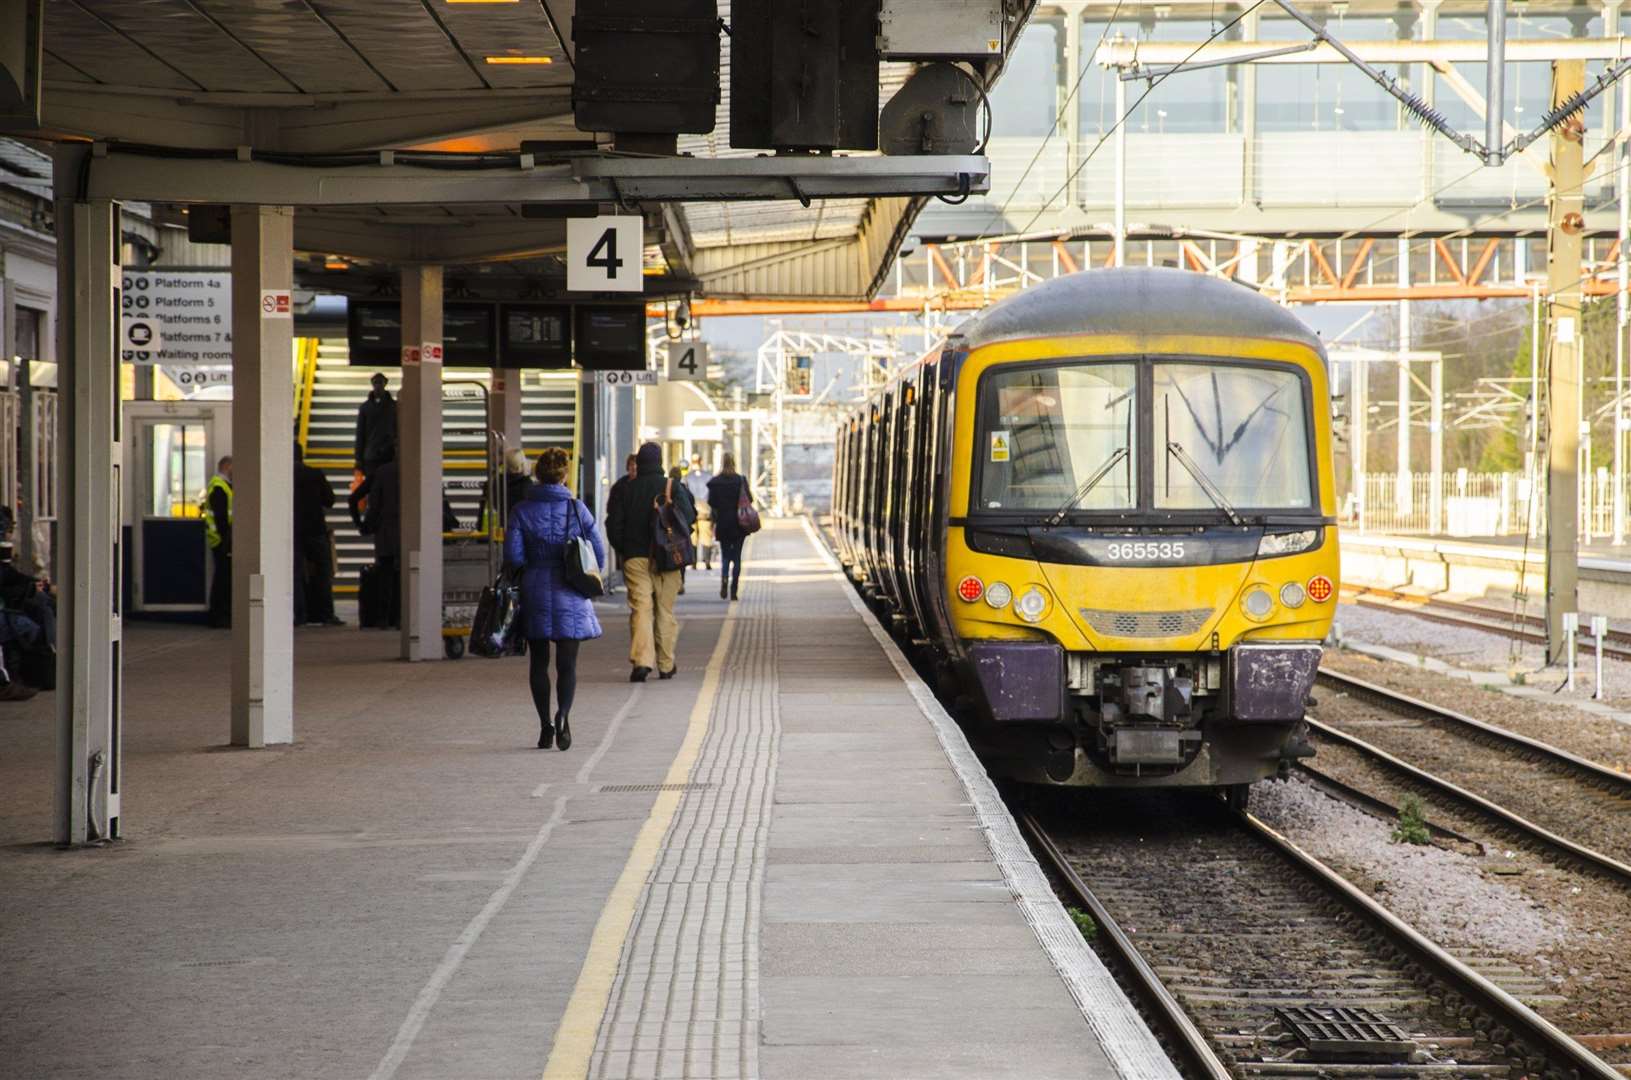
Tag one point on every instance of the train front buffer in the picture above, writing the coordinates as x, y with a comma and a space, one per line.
1186, 675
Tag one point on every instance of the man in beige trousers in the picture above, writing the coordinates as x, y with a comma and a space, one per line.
631, 521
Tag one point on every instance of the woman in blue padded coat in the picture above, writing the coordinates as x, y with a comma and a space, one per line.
552, 612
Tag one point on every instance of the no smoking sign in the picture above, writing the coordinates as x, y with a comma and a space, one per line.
276, 304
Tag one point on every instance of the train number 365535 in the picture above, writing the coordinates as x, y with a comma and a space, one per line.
1151, 550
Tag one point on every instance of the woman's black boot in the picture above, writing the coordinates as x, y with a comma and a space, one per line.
546, 736
563, 731
722, 588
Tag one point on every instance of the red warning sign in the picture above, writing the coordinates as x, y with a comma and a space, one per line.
276, 304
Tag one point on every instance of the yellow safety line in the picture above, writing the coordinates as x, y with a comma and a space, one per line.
580, 1024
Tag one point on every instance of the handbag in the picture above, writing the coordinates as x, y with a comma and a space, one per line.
747, 518
496, 629
671, 540
582, 568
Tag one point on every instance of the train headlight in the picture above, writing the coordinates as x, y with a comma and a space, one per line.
1287, 543
998, 595
1257, 603
1292, 595
1320, 588
970, 588
1032, 605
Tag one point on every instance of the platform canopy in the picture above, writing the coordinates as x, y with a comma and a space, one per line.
220, 101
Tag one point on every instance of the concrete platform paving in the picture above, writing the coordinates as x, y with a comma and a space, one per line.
768, 866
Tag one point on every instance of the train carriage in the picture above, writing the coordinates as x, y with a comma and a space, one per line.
1104, 509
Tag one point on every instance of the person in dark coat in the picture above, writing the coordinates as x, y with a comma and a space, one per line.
615, 495
376, 428
383, 521
724, 496
314, 551
516, 482
553, 613
630, 526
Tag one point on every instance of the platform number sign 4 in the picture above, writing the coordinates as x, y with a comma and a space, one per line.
605, 254
687, 361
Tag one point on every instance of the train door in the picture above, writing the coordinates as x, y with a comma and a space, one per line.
176, 445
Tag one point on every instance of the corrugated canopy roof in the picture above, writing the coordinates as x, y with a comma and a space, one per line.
331, 76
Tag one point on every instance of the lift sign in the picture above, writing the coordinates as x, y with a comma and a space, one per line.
605, 254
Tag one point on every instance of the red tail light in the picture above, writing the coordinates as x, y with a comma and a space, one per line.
1320, 589
971, 588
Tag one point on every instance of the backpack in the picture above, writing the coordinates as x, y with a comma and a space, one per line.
671, 540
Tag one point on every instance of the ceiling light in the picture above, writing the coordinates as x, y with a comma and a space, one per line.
483, 1
519, 60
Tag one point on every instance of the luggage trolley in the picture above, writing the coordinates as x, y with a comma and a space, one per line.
470, 557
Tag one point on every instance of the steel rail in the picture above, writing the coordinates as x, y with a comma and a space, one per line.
1539, 1034
1201, 1060
1560, 846
1367, 803
1473, 617
1589, 771
1497, 1003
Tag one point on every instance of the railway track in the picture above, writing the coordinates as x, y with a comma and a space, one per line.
1547, 799
1522, 627
1253, 959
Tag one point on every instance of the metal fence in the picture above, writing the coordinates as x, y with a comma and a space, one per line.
1472, 504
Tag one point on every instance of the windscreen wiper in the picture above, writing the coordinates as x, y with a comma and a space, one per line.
1206, 484
1058, 516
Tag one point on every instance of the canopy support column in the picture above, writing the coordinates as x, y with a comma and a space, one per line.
263, 419
419, 426
89, 639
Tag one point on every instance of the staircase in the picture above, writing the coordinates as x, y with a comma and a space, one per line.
329, 419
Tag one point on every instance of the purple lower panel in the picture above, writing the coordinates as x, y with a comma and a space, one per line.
1272, 682
1021, 680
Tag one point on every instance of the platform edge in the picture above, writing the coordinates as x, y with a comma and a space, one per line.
1128, 1043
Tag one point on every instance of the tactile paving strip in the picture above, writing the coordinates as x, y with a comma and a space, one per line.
686, 1000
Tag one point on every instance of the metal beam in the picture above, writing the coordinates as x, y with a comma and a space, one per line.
1474, 51
163, 179
450, 242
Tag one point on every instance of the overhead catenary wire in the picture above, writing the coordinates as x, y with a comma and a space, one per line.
1052, 129
1122, 119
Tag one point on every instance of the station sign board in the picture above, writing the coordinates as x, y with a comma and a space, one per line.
181, 317
687, 361
606, 253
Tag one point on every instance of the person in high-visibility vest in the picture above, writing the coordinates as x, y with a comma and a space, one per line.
216, 510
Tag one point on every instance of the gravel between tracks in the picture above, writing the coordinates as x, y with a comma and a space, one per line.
1596, 738
1590, 966
1546, 796
1444, 894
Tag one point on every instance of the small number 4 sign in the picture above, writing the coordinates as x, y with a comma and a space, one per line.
687, 361
605, 254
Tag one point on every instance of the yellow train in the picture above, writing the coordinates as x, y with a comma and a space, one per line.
1103, 513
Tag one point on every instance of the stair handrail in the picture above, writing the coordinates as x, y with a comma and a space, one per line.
308, 383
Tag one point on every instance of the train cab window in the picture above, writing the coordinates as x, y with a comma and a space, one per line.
1049, 430
1242, 428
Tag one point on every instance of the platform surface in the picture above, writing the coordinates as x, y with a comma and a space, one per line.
765, 867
